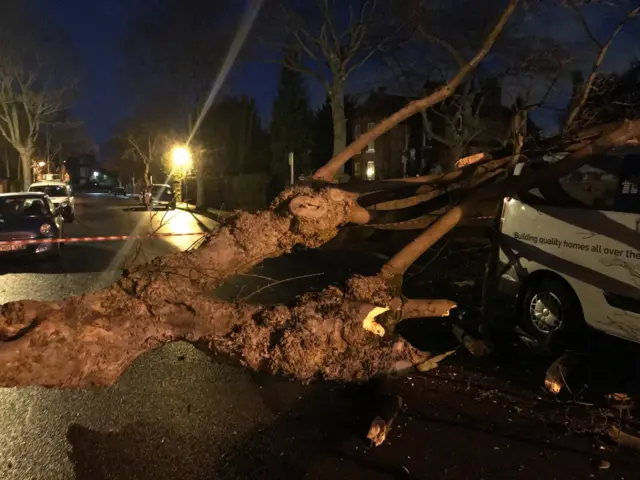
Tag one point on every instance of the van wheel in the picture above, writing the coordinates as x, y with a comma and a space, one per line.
550, 312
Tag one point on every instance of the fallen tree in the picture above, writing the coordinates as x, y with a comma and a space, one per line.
337, 335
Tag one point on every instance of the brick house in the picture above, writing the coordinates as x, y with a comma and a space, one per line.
395, 154
411, 148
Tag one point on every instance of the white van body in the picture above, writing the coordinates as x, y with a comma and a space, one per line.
584, 232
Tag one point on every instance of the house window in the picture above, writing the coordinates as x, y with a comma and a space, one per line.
371, 170
356, 169
356, 132
371, 147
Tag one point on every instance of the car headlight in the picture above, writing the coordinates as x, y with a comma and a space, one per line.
45, 229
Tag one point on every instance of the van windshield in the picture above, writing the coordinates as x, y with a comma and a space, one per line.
160, 190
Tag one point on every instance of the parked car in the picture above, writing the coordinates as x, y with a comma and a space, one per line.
30, 216
61, 195
158, 195
570, 251
119, 191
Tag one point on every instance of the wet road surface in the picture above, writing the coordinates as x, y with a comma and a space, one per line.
176, 414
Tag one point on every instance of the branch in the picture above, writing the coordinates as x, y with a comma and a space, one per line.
625, 133
447, 46
327, 171
585, 24
431, 133
586, 88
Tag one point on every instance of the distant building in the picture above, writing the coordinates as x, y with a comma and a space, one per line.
85, 172
396, 154
81, 169
436, 140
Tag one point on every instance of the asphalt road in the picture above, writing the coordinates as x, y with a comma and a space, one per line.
176, 414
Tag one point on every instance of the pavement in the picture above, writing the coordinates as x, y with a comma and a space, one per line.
177, 414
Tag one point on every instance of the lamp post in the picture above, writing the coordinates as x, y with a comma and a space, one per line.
181, 160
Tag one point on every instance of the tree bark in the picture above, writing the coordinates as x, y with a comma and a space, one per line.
339, 119
92, 339
147, 174
26, 163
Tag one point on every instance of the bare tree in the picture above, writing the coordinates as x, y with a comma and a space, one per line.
27, 102
472, 114
332, 49
36, 80
582, 92
145, 149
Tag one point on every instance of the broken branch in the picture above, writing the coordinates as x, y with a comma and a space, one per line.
626, 133
328, 171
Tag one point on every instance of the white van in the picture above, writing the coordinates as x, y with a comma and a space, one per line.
60, 194
570, 251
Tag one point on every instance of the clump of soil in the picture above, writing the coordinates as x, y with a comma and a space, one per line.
374, 290
321, 337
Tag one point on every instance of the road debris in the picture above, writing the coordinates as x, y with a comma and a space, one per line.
476, 347
621, 401
433, 362
623, 439
556, 375
464, 283
388, 408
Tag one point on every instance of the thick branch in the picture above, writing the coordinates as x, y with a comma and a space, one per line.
91, 340
627, 133
328, 171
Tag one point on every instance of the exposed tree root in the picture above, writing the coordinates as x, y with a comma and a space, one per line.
92, 339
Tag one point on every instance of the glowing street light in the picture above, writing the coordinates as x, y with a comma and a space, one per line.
41, 164
181, 156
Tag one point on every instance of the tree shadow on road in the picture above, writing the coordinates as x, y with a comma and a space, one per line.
307, 432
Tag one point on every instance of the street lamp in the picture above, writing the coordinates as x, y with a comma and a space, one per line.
41, 164
181, 159
181, 156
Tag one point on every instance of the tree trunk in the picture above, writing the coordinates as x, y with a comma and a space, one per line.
147, 174
91, 339
26, 161
200, 190
339, 119
201, 175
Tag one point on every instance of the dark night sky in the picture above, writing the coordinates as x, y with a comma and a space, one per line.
96, 27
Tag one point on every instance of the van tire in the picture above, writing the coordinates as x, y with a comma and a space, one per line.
563, 305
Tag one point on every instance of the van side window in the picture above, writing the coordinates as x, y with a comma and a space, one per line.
593, 186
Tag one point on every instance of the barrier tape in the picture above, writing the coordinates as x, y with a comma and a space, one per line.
109, 238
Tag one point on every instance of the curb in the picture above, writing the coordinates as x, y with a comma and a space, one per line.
210, 212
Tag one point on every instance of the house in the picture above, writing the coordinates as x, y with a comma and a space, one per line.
82, 169
472, 120
393, 155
